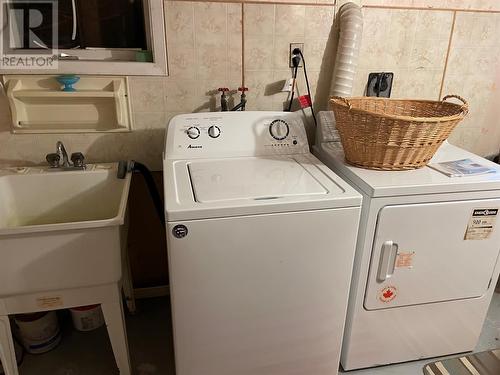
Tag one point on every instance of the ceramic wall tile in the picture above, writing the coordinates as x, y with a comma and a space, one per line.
259, 53
486, 30
290, 20
149, 120
181, 94
210, 20
301, 2
205, 52
319, 20
234, 19
419, 84
314, 50
428, 54
181, 62
212, 61
410, 43
436, 4
310, 25
147, 94
179, 17
433, 25
259, 83
234, 57
259, 19
281, 53
473, 72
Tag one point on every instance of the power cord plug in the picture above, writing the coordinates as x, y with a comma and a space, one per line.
298, 52
296, 57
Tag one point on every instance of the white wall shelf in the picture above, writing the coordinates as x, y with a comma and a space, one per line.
99, 104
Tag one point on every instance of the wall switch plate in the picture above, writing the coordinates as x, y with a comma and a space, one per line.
292, 47
379, 84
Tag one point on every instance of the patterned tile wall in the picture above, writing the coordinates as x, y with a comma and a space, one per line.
205, 52
474, 70
410, 43
269, 30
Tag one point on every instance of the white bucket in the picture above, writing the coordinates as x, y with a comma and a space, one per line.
87, 318
39, 332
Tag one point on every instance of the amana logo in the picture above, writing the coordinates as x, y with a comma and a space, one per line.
195, 146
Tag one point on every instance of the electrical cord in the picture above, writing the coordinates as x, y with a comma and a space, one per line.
296, 63
299, 52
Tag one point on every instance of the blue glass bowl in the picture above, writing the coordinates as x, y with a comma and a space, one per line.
68, 81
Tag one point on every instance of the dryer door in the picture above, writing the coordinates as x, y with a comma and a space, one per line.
433, 252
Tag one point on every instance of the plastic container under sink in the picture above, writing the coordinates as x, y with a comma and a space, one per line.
38, 332
87, 318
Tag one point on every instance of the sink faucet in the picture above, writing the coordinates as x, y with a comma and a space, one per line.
60, 161
63, 155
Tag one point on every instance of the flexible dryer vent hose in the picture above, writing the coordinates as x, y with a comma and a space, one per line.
346, 61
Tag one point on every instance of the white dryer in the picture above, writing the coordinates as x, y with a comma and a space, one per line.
424, 271
261, 239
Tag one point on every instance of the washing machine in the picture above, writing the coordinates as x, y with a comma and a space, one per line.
426, 260
261, 238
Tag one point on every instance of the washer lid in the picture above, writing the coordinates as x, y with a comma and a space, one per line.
229, 187
252, 179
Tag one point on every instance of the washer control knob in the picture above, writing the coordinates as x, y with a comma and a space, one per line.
279, 129
214, 131
193, 132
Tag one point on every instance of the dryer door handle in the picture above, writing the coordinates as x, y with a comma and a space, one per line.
387, 263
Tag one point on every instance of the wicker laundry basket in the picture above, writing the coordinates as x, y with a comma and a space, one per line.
394, 134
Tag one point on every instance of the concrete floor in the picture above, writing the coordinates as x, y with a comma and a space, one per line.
151, 349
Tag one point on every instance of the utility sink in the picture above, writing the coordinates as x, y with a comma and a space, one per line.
61, 229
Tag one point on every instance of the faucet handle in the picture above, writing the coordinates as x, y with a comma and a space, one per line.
53, 160
223, 89
77, 158
243, 89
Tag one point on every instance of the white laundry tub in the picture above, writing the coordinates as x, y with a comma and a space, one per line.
60, 230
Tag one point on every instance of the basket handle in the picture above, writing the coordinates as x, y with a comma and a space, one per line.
465, 105
344, 100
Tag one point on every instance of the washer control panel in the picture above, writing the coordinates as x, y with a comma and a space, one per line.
193, 132
279, 129
214, 131
225, 134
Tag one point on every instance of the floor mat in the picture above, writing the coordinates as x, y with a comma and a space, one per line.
484, 363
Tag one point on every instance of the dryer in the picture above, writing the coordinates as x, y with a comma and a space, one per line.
261, 238
426, 261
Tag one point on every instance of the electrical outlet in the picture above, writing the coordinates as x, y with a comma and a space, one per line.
292, 47
379, 84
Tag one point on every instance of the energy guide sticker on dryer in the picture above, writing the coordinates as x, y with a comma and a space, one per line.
481, 224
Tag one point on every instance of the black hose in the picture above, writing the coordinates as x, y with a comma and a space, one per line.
153, 191
124, 167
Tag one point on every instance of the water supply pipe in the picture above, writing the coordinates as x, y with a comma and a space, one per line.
346, 62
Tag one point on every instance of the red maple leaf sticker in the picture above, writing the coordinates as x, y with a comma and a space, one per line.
388, 293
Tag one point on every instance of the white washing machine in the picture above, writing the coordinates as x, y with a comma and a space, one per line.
425, 270
261, 238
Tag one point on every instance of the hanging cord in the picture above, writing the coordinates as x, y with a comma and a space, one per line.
296, 62
298, 51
